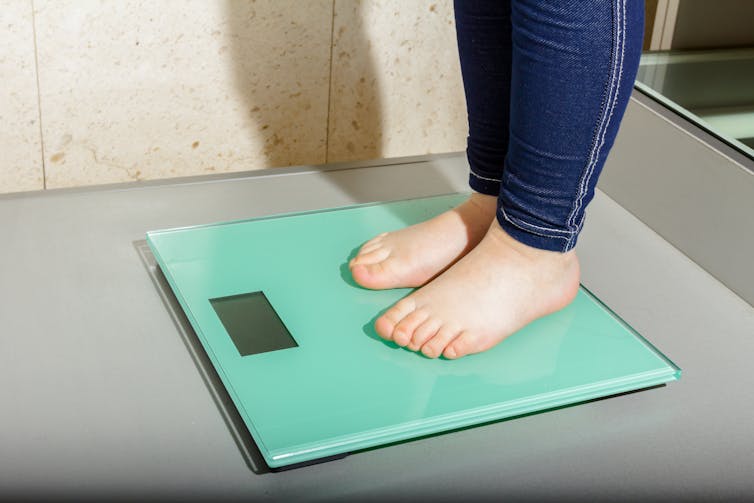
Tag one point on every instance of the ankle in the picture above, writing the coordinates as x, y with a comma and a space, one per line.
477, 212
483, 203
498, 234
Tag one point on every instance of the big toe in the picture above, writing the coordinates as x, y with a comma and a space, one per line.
375, 276
371, 255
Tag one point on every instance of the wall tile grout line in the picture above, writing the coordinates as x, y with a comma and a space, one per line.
39, 93
329, 84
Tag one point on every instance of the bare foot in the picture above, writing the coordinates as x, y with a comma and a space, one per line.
496, 289
412, 256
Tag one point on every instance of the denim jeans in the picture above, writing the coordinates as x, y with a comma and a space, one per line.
546, 86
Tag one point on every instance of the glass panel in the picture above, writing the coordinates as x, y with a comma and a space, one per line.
713, 88
344, 388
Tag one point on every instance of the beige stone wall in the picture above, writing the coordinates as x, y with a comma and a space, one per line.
107, 91
20, 144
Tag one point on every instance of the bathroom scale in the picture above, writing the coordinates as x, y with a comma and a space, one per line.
291, 337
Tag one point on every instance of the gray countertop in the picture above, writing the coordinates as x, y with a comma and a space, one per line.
103, 392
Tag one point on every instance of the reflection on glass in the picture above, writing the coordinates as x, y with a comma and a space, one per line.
714, 88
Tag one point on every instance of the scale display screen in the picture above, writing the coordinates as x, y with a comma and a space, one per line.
252, 323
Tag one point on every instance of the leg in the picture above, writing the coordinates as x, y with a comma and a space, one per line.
413, 256
483, 31
573, 68
574, 65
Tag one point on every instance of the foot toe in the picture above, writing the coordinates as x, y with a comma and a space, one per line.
422, 334
404, 330
368, 248
377, 276
462, 345
377, 238
385, 324
436, 345
372, 244
371, 257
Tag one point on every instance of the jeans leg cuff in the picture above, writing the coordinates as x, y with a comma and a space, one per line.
552, 243
487, 187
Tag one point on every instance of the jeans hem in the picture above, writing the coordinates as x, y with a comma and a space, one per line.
534, 239
484, 186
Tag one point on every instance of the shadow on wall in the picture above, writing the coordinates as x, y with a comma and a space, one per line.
285, 89
355, 129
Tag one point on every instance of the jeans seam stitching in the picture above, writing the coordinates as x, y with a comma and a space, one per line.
484, 178
611, 98
549, 229
521, 226
622, 42
602, 126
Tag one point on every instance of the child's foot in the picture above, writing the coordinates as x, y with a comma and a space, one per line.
496, 289
412, 256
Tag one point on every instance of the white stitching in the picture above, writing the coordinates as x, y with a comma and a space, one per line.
621, 57
602, 131
484, 178
521, 226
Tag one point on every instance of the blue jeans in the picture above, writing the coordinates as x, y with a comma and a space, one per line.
546, 86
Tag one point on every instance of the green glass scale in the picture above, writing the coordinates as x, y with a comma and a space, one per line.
292, 339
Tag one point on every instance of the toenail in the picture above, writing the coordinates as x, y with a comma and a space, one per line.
450, 353
400, 338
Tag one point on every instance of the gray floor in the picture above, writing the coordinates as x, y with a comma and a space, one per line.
101, 393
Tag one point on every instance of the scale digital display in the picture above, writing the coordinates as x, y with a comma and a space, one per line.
252, 323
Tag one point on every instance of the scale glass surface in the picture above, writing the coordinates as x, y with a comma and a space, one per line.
291, 337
